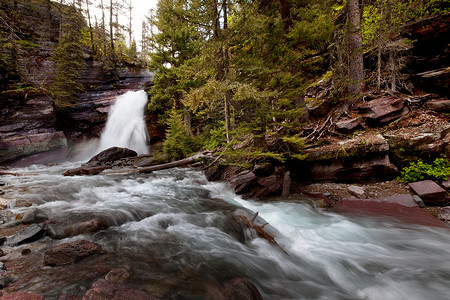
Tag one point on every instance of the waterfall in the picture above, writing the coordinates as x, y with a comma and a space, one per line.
126, 124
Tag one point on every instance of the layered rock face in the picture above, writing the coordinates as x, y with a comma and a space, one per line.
430, 58
29, 123
27, 126
88, 117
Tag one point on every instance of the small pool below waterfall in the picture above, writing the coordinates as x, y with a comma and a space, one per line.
171, 230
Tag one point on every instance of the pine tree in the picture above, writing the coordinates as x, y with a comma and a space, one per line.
69, 59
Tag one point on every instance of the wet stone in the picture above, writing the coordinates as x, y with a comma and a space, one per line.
5, 281
27, 235
68, 297
69, 253
105, 290
34, 215
419, 201
240, 289
22, 296
117, 275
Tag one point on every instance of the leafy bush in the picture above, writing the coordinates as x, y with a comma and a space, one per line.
179, 142
439, 170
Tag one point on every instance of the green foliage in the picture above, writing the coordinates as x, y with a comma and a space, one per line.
69, 59
439, 170
215, 137
179, 142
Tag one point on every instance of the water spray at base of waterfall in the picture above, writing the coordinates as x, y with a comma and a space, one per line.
126, 124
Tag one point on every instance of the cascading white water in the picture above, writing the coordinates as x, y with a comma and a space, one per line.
174, 231
126, 125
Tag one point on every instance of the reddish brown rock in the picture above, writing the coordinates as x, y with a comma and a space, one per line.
267, 185
347, 126
444, 214
69, 253
429, 191
22, 296
439, 105
242, 180
88, 227
117, 275
241, 289
68, 297
401, 207
105, 290
383, 110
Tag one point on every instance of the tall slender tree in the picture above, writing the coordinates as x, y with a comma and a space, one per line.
356, 62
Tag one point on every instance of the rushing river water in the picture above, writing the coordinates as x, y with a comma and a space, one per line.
172, 231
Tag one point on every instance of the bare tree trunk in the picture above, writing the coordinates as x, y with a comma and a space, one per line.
90, 27
130, 31
380, 46
111, 14
356, 65
225, 65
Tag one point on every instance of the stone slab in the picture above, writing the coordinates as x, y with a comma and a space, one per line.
400, 207
429, 191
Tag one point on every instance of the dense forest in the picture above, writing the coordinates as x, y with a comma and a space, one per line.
231, 72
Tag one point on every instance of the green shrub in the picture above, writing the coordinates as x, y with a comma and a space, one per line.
439, 170
179, 142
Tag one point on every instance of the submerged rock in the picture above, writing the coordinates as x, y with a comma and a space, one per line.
105, 290
69, 253
58, 231
241, 289
117, 275
22, 296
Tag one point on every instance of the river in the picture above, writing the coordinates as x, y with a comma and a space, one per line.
172, 230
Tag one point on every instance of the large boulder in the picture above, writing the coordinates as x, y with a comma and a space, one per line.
110, 155
69, 253
105, 290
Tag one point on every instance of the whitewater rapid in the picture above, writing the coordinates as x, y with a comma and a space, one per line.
172, 230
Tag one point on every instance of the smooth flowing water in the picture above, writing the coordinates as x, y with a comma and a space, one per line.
173, 230
126, 124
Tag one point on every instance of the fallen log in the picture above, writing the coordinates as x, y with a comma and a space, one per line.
174, 164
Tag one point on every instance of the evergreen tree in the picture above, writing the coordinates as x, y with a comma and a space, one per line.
69, 59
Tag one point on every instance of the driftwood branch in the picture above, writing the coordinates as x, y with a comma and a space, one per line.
258, 229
